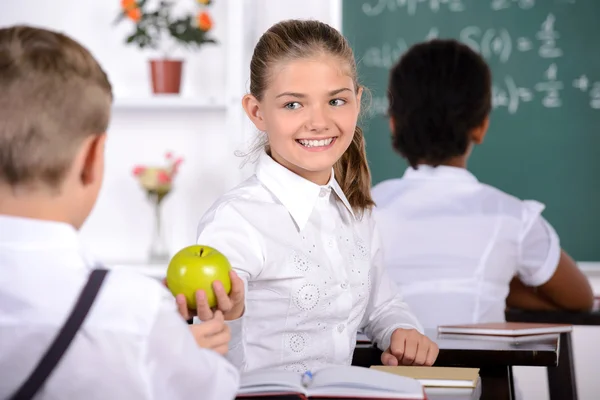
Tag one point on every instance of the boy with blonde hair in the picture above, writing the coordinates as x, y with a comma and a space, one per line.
68, 330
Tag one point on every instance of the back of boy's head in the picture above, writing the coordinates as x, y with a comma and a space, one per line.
438, 93
53, 95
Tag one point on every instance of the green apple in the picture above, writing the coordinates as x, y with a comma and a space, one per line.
195, 268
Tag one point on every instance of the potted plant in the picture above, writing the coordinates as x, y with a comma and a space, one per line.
159, 29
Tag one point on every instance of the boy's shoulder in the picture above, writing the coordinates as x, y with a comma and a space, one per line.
128, 295
126, 305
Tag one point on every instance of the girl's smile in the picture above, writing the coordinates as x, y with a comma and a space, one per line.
317, 144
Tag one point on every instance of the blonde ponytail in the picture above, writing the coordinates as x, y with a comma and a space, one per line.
353, 175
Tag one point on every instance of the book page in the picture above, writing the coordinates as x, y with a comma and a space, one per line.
363, 379
436, 376
271, 381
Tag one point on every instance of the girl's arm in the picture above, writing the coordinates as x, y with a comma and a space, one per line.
386, 310
224, 229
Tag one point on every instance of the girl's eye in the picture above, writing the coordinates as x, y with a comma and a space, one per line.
337, 102
292, 106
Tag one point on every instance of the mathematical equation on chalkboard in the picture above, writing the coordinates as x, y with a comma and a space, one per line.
508, 94
376, 7
493, 44
490, 43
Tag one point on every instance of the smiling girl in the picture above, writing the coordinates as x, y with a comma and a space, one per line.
299, 233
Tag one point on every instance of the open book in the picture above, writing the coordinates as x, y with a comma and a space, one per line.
331, 382
445, 377
506, 329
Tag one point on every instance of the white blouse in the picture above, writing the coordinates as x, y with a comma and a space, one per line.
312, 268
453, 244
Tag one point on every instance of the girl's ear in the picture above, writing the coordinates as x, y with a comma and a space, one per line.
252, 107
358, 97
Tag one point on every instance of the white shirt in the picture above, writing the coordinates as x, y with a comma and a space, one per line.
132, 345
312, 269
454, 244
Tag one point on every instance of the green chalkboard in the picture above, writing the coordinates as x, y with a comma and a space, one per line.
544, 138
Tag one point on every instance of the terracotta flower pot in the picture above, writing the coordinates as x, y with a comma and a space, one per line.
166, 76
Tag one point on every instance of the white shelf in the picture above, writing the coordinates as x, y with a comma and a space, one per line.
169, 102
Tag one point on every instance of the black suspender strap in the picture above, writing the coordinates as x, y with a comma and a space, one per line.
64, 338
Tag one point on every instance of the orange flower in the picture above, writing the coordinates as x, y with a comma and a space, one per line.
134, 14
131, 10
203, 2
204, 21
128, 4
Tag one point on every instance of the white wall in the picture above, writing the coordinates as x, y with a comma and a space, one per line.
120, 226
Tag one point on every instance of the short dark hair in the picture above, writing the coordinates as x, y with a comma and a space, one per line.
438, 92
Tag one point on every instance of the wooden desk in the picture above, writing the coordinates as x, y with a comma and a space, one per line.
495, 359
561, 379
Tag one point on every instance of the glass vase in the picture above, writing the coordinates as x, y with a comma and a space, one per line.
158, 252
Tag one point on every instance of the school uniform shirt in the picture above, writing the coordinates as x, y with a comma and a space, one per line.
454, 244
312, 269
132, 345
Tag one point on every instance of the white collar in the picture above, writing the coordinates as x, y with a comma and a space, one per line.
26, 233
296, 194
20, 230
441, 172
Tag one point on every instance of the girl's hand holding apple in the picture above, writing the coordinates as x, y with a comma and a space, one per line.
232, 305
201, 278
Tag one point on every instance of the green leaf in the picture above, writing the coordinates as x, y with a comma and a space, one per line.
150, 28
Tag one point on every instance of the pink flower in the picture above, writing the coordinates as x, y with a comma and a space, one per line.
163, 177
176, 165
138, 170
169, 155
